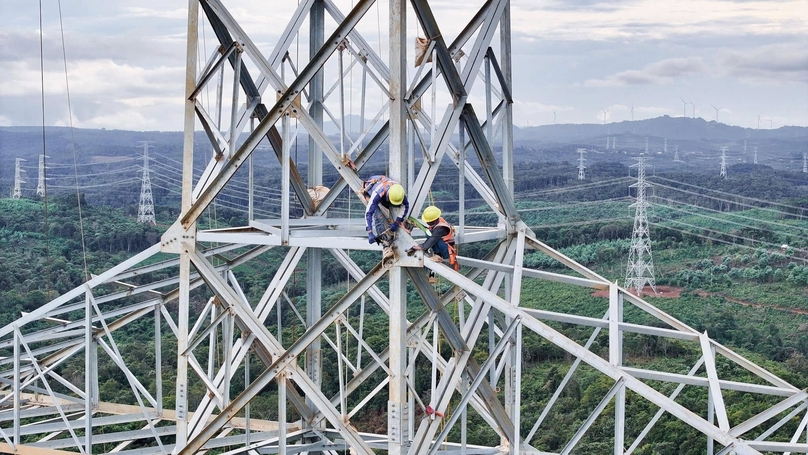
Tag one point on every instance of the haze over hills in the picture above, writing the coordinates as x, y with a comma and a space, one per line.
672, 128
779, 147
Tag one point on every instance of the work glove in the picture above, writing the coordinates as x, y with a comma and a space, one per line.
371, 238
399, 220
394, 226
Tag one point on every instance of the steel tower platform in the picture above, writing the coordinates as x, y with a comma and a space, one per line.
322, 377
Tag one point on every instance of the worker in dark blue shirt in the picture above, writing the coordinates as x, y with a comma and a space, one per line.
441, 241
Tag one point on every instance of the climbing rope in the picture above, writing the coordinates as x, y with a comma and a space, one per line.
45, 194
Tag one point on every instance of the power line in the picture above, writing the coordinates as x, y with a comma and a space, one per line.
734, 214
733, 195
731, 235
727, 200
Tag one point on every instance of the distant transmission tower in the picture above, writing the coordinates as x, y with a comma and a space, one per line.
40, 186
640, 263
755, 155
805, 162
581, 167
676, 153
18, 181
608, 140
646, 146
614, 142
665, 146
744, 148
724, 162
145, 212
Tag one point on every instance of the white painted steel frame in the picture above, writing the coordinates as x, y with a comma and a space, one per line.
70, 329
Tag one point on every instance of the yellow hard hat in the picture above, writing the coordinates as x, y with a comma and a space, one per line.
395, 194
431, 214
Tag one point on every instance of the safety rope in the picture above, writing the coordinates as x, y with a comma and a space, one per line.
72, 146
45, 194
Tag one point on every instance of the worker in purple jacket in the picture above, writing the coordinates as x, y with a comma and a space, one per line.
380, 190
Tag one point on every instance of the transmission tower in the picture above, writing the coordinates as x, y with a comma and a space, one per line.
16, 193
608, 142
640, 270
755, 158
724, 162
614, 142
805, 162
145, 211
665, 146
66, 386
40, 186
676, 153
744, 149
581, 167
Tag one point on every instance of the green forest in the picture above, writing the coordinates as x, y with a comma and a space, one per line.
735, 255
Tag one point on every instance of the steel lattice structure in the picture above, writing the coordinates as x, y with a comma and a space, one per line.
145, 210
190, 288
640, 268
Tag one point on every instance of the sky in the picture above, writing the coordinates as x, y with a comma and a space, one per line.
574, 61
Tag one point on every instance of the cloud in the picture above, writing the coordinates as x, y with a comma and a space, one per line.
657, 73
94, 77
777, 63
654, 19
162, 13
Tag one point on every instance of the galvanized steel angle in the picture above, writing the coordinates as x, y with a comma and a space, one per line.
62, 415
137, 387
79, 290
284, 360
489, 164
203, 376
593, 360
355, 36
215, 137
279, 85
447, 66
593, 416
484, 38
211, 68
222, 21
479, 379
428, 171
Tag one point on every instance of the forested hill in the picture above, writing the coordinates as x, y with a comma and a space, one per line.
41, 252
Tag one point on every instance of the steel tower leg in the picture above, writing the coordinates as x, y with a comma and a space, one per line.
314, 308
397, 404
184, 250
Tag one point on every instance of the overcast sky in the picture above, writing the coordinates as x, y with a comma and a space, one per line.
578, 57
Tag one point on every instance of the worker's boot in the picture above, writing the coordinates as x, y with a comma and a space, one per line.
432, 279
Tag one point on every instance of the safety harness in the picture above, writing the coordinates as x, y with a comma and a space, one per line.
449, 240
370, 184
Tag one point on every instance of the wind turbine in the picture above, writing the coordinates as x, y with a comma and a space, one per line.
684, 107
716, 111
554, 117
632, 111
604, 116
770, 123
694, 109
759, 120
